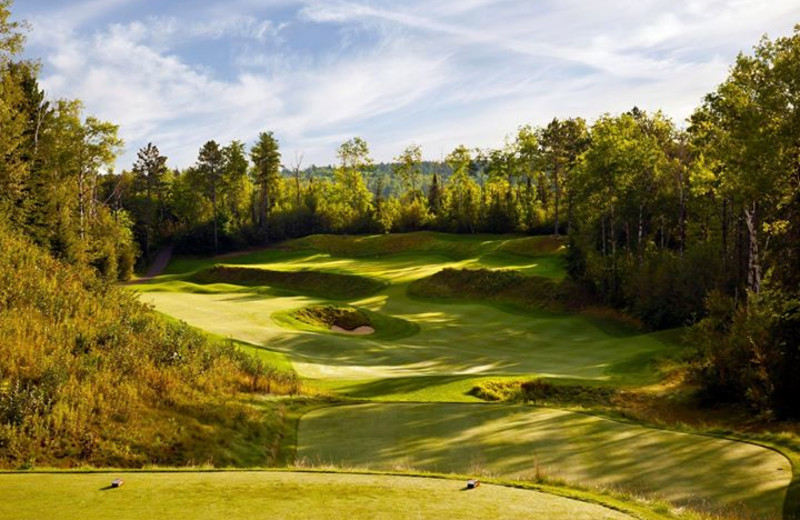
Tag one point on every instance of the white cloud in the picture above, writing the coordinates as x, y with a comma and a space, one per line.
438, 73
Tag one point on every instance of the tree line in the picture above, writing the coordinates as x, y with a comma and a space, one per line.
678, 226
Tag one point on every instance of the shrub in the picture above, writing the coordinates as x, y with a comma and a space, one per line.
89, 375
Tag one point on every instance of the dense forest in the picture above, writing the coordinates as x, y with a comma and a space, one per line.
679, 226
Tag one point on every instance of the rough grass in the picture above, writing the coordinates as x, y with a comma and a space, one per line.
271, 494
503, 286
535, 246
522, 442
89, 375
543, 392
327, 285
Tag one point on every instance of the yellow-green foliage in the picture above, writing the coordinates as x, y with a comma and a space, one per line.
90, 375
540, 391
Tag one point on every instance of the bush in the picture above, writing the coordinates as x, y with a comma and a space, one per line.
88, 375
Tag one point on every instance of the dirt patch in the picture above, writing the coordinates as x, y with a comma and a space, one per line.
157, 267
358, 331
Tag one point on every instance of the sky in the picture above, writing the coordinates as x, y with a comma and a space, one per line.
438, 74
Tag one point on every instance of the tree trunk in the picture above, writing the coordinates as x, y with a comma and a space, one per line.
558, 197
724, 235
214, 207
753, 260
639, 248
682, 220
569, 212
603, 233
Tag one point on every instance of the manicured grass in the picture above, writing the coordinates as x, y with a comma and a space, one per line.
285, 495
454, 339
436, 350
395, 257
524, 442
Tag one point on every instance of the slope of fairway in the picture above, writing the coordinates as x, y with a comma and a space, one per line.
284, 495
519, 442
454, 339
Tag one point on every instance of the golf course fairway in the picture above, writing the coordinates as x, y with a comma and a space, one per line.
454, 338
254, 495
521, 441
426, 354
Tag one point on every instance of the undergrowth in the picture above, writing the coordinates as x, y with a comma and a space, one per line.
89, 375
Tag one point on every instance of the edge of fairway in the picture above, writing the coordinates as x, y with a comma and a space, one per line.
620, 503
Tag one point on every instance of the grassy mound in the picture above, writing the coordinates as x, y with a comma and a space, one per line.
327, 285
457, 247
88, 375
535, 246
287, 495
502, 286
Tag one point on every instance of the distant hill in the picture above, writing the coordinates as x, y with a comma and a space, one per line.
392, 185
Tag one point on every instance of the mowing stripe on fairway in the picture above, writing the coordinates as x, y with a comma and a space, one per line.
473, 338
265, 495
524, 442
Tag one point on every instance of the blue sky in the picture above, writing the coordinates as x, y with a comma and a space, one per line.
439, 74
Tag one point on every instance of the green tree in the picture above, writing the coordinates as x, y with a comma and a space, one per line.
407, 169
266, 159
351, 193
149, 171
210, 167
14, 119
562, 143
236, 187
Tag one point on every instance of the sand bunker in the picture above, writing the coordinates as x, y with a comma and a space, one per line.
358, 331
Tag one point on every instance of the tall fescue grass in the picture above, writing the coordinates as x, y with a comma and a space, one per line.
88, 375
502, 286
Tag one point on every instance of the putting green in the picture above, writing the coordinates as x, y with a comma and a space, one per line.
286, 495
521, 442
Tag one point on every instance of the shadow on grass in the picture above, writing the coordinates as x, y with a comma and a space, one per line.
401, 385
525, 442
